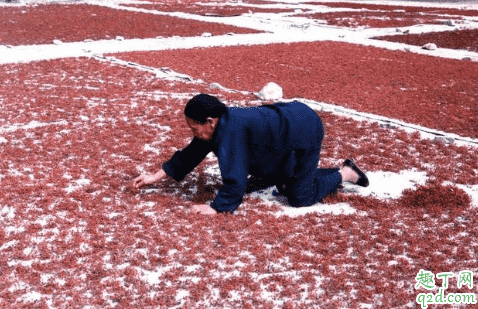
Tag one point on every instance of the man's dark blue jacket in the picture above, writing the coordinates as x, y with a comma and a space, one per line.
259, 141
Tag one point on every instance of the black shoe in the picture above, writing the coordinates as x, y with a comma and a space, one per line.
363, 180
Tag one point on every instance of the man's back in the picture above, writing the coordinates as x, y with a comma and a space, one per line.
281, 125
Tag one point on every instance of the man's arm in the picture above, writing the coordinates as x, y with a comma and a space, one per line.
181, 164
233, 157
184, 161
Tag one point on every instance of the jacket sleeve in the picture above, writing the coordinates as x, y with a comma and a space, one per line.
233, 159
184, 161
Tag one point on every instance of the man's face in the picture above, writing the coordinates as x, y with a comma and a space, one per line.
203, 131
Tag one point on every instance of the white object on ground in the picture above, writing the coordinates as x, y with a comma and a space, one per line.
335, 209
430, 46
271, 91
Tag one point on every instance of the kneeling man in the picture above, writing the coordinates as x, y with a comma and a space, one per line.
278, 143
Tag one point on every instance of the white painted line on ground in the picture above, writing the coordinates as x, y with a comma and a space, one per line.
426, 133
31, 125
280, 28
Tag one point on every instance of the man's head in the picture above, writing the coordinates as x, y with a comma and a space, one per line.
202, 115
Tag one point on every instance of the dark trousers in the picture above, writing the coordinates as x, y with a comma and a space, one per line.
308, 185
309, 190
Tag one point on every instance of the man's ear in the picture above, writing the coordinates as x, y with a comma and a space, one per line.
212, 121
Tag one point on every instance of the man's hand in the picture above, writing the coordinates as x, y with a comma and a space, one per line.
203, 209
147, 179
144, 179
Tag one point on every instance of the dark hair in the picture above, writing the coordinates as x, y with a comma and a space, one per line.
202, 106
